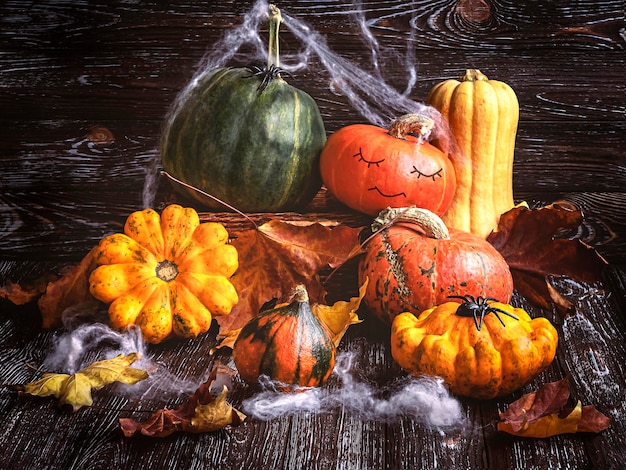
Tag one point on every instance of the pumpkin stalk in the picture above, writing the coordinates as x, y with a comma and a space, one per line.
300, 294
273, 56
473, 75
429, 222
411, 124
166, 270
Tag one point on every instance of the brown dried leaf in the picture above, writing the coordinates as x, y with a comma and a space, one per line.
203, 412
68, 291
592, 420
75, 389
279, 255
529, 240
20, 294
540, 414
550, 398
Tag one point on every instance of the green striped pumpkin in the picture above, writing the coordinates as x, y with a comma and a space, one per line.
246, 137
288, 344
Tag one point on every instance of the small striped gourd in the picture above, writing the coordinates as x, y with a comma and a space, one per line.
287, 344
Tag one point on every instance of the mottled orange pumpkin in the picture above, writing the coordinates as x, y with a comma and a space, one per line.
416, 263
369, 168
287, 344
478, 358
167, 274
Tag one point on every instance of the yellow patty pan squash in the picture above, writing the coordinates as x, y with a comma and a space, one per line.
480, 348
166, 274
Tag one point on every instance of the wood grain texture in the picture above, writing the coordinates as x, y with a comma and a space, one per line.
67, 67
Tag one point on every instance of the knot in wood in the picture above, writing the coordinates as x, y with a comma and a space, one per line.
476, 11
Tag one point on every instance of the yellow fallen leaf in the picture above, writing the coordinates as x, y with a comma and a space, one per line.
541, 414
75, 389
341, 315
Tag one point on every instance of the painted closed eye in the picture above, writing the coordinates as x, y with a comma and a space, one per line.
368, 162
436, 174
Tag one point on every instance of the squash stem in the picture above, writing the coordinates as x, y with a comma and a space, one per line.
300, 294
273, 56
411, 124
166, 270
428, 222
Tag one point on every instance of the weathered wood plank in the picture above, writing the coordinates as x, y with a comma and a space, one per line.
67, 66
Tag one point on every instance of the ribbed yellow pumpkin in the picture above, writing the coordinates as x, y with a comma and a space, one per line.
483, 115
166, 274
480, 348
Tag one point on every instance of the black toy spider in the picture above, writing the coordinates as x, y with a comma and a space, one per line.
473, 307
268, 74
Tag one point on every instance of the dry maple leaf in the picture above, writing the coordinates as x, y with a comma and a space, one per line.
541, 414
75, 389
530, 242
279, 255
55, 295
203, 412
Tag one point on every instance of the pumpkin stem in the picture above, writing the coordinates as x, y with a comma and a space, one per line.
411, 124
429, 222
166, 270
300, 294
472, 75
273, 56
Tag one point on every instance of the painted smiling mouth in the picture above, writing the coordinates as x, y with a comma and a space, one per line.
377, 189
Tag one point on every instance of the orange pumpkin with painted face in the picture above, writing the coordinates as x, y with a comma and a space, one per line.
369, 168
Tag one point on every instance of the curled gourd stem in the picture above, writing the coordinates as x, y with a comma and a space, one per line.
411, 124
273, 56
429, 222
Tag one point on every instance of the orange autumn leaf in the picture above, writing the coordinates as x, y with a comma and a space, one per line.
540, 414
55, 294
205, 411
531, 242
279, 255
20, 294
69, 290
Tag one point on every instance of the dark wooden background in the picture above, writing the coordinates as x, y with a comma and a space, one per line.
70, 69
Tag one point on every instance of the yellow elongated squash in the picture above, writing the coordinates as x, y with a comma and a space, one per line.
483, 116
